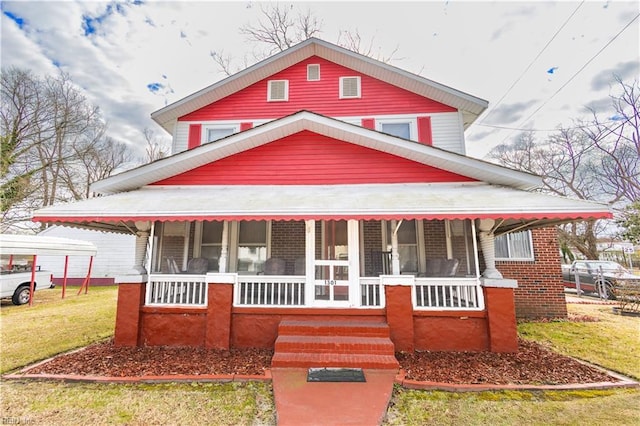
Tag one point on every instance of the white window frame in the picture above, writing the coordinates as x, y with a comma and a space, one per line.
509, 248
411, 121
359, 87
309, 67
219, 126
286, 90
420, 250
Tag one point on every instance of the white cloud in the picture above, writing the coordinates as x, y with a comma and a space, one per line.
478, 47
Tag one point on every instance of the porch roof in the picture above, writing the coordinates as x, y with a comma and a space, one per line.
512, 207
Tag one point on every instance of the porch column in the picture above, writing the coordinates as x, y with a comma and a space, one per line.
130, 301
395, 256
487, 243
399, 309
501, 314
224, 250
142, 241
220, 302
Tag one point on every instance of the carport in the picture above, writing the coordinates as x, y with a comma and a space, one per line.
34, 246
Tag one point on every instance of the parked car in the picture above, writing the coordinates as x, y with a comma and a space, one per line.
16, 284
597, 276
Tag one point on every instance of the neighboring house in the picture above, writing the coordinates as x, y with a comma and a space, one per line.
114, 257
322, 185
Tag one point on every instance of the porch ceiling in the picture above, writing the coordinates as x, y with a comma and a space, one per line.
511, 208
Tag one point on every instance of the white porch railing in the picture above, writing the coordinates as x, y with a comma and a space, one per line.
371, 293
176, 289
269, 290
448, 294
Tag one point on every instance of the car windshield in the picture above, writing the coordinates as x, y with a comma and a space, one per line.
610, 266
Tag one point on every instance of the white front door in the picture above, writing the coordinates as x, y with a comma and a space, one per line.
335, 270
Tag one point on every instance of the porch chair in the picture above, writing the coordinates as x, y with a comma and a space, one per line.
300, 266
441, 267
198, 265
274, 266
172, 266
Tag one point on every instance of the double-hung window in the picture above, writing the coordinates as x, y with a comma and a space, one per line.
407, 245
211, 245
514, 246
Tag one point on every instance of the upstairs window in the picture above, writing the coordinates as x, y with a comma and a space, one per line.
402, 128
514, 246
313, 72
350, 87
213, 133
277, 90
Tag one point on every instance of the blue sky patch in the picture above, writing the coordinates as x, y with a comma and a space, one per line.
15, 18
155, 87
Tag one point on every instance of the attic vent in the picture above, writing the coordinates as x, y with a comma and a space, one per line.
313, 72
349, 87
278, 90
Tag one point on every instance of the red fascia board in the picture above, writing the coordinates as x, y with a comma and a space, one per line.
373, 216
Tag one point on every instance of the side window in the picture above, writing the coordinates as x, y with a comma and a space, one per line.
514, 246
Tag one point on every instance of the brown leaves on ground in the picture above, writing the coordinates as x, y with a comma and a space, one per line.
532, 364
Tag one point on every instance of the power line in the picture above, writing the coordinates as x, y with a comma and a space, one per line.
582, 126
576, 73
495, 106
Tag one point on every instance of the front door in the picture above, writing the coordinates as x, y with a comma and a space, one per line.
335, 263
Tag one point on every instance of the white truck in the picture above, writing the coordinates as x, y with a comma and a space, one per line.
16, 284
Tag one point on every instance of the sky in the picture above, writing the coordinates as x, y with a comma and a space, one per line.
539, 64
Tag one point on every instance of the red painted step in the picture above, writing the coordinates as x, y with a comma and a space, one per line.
309, 344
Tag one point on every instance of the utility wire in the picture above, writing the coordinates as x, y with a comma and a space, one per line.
495, 106
575, 74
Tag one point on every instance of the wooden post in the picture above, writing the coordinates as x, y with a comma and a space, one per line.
33, 279
64, 279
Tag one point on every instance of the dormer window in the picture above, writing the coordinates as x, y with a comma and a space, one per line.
277, 90
349, 87
313, 72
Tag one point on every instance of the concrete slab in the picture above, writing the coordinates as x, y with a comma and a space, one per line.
303, 403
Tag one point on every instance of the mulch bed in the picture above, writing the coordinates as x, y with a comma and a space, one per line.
533, 364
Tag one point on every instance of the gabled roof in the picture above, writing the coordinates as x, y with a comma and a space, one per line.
305, 120
470, 106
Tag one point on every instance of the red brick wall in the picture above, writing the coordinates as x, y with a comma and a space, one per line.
371, 242
540, 292
435, 243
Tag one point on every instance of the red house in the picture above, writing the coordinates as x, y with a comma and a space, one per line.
323, 193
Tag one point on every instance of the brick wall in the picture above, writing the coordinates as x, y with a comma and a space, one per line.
435, 243
540, 292
371, 242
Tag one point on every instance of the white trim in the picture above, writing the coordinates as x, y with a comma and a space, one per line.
235, 128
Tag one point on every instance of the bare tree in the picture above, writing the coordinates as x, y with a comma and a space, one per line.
155, 149
597, 160
352, 40
53, 144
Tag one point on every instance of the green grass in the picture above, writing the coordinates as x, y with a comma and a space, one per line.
612, 342
411, 407
161, 404
54, 325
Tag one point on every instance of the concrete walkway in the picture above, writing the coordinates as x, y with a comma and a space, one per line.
303, 403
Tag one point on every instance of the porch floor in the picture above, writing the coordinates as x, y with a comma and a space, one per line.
299, 402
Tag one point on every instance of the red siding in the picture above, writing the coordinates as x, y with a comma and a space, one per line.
319, 96
245, 126
424, 130
309, 158
369, 123
195, 134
